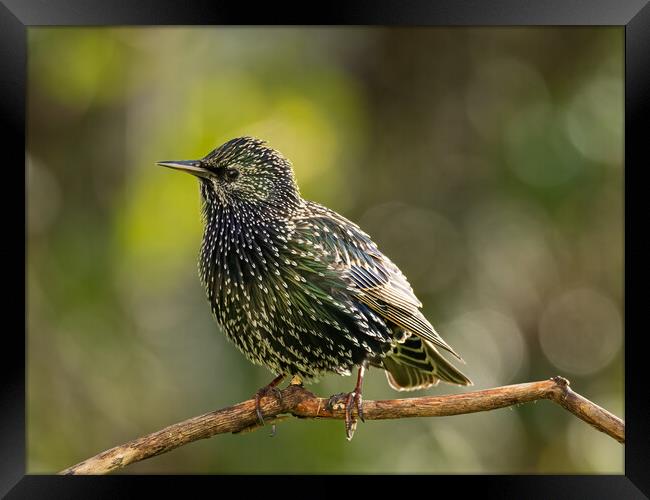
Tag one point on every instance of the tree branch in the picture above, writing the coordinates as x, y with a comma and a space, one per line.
301, 403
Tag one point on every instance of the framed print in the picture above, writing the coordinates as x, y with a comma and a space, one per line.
381, 192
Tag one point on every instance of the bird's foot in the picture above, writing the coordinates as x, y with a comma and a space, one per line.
268, 390
348, 401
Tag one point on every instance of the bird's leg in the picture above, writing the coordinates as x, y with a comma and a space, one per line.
265, 391
352, 399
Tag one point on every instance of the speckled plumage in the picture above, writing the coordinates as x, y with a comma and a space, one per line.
298, 288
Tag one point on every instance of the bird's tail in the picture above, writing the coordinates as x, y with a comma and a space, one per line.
417, 364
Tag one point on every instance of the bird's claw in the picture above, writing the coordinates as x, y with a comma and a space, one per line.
266, 391
357, 400
348, 401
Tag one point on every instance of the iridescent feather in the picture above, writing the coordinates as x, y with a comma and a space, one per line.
300, 289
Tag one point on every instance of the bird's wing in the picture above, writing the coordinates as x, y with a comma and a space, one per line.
369, 275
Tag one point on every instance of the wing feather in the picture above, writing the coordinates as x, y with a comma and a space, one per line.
371, 276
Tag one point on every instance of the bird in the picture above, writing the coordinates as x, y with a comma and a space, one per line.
300, 289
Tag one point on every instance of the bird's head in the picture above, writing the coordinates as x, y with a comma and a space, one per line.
244, 172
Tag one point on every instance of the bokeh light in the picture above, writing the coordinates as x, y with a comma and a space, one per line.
581, 331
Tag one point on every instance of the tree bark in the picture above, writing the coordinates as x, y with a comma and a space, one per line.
299, 402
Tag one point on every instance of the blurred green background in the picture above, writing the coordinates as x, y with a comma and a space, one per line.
486, 162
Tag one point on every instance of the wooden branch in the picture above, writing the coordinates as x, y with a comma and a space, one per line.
301, 403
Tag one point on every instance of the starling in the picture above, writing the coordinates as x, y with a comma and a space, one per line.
300, 289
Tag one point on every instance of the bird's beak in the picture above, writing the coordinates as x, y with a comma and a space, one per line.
190, 166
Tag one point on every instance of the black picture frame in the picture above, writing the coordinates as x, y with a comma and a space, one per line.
634, 15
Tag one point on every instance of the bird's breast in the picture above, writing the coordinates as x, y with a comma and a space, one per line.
240, 268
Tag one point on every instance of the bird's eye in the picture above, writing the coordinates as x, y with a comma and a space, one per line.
232, 174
